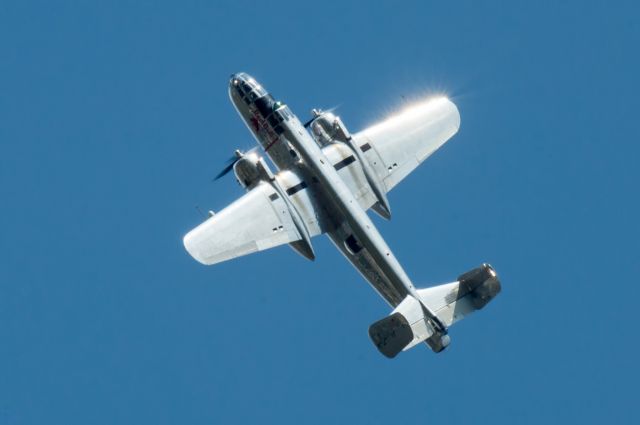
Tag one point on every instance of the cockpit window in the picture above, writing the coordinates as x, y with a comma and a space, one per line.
260, 90
251, 88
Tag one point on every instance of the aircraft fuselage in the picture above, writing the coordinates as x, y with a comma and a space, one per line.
290, 146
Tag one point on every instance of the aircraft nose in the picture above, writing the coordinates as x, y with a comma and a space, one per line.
237, 78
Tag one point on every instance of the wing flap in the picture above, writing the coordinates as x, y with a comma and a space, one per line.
257, 221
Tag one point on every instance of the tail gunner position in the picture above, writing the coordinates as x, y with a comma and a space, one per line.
326, 181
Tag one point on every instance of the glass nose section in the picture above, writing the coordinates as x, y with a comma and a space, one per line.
247, 86
237, 79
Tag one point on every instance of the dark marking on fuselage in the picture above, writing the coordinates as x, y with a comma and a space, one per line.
255, 124
271, 143
297, 188
348, 160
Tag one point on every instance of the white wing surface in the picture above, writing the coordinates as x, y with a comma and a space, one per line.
258, 220
397, 145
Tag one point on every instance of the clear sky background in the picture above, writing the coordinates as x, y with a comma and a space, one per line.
114, 117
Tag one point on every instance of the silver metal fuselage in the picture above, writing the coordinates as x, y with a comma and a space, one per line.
290, 147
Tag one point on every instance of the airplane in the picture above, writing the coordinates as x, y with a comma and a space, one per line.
327, 180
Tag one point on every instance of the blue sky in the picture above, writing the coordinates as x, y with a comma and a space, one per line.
114, 117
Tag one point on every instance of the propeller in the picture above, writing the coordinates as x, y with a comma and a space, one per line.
229, 163
318, 112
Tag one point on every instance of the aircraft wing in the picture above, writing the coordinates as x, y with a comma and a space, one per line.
258, 220
397, 145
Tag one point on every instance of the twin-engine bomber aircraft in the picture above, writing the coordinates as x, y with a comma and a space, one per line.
327, 180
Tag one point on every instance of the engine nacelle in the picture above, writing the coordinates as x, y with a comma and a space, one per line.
481, 284
328, 128
247, 170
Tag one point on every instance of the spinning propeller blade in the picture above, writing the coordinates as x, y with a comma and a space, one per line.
317, 113
229, 163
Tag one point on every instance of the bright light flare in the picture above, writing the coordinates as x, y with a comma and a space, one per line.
435, 108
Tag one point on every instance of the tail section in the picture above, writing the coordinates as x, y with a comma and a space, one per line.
472, 291
426, 319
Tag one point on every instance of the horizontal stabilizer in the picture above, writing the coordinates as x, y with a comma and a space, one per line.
454, 301
411, 321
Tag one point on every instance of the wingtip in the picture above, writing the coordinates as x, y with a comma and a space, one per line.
190, 247
456, 115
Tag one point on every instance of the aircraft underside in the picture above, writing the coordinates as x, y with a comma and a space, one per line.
326, 181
